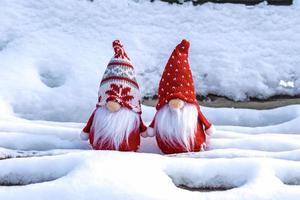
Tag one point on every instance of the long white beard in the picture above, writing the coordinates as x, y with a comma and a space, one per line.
177, 126
114, 127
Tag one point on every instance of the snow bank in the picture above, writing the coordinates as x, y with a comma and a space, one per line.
6, 110
53, 53
117, 175
263, 142
10, 153
16, 133
242, 153
281, 120
251, 117
47, 160
279, 127
34, 170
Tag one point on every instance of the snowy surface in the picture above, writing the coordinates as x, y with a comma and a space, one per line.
253, 155
53, 53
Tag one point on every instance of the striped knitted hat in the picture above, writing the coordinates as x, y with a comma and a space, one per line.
119, 83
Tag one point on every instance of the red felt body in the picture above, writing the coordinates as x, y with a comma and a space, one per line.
199, 139
133, 139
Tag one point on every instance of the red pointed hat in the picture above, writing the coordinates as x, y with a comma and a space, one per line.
177, 80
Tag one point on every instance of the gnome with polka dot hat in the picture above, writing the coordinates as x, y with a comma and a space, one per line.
116, 122
179, 125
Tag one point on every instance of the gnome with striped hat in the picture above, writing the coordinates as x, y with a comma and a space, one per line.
179, 125
116, 123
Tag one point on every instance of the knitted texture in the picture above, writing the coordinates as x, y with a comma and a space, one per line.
177, 80
119, 83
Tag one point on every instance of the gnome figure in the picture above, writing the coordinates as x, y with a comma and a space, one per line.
179, 125
116, 122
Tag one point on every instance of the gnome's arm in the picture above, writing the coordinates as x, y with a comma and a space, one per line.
150, 129
142, 125
152, 123
209, 128
86, 130
88, 125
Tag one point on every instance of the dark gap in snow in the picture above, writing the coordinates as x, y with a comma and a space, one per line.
3, 44
292, 181
214, 183
52, 80
216, 101
204, 189
53, 73
21, 156
26, 172
14, 179
28, 154
245, 2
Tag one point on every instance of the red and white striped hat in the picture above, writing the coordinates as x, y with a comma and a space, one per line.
119, 83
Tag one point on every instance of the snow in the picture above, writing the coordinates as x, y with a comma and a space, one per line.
53, 53
47, 160
287, 84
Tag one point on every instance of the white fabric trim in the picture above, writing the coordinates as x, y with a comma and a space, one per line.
120, 60
84, 135
211, 130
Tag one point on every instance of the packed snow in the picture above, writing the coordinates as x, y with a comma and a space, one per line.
247, 158
53, 53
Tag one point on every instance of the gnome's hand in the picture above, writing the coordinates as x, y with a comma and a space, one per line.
211, 130
144, 134
113, 106
176, 103
84, 135
148, 133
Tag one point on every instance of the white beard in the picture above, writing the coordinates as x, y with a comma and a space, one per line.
177, 126
114, 127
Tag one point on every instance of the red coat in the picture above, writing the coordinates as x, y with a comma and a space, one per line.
133, 139
199, 137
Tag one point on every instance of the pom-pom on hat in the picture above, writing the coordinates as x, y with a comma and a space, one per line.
177, 80
119, 82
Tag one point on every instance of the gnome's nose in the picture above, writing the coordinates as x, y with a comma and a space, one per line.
184, 46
